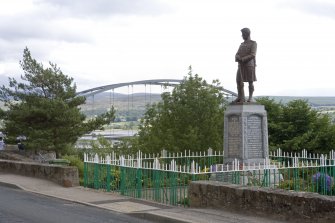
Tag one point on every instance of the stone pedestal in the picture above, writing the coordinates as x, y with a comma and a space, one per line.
245, 133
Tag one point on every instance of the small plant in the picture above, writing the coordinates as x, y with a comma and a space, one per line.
287, 185
78, 162
253, 180
184, 202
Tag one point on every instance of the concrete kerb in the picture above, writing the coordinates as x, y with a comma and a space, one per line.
10, 185
157, 217
15, 186
142, 215
142, 209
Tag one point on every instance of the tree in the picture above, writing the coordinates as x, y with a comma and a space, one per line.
295, 126
274, 115
45, 109
191, 117
305, 128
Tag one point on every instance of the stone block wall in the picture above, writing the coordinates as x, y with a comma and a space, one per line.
283, 204
66, 176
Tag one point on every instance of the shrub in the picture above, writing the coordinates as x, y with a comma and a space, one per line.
79, 163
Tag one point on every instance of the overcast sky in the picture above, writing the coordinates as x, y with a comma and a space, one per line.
99, 42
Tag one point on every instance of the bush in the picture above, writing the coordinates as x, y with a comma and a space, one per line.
79, 163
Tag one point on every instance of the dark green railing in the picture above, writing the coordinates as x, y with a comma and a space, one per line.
166, 179
168, 187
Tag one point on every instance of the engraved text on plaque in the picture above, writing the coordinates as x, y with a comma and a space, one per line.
234, 136
254, 137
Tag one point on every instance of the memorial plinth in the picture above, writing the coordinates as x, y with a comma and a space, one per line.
245, 133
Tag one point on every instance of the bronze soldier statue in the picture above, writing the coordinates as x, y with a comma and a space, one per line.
246, 58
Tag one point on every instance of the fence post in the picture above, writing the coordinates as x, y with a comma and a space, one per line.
108, 174
122, 176
210, 156
96, 172
266, 173
296, 180
193, 170
85, 170
139, 175
173, 183
156, 179
138, 182
332, 169
323, 175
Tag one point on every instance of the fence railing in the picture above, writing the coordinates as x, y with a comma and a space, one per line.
303, 155
165, 177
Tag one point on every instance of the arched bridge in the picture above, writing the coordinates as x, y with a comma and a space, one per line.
162, 82
124, 106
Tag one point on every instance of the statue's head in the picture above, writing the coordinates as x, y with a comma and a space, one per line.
245, 33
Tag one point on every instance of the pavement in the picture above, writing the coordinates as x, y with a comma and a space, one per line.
151, 211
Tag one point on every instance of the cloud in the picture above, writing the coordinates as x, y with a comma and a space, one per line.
314, 7
41, 36
89, 8
49, 23
18, 28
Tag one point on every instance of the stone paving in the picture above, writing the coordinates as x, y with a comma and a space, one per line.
143, 209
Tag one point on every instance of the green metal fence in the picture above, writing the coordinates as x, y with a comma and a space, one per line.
304, 176
166, 178
168, 187
288, 157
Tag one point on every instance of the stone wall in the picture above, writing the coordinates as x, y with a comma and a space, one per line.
66, 176
283, 204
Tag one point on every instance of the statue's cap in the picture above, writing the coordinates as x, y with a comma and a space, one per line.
245, 30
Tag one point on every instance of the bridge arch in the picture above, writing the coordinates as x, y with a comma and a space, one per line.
111, 134
169, 82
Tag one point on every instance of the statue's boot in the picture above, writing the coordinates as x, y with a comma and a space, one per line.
240, 91
251, 91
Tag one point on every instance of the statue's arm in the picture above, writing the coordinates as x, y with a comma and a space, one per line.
252, 54
237, 57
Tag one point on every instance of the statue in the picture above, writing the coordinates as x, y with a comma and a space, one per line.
246, 58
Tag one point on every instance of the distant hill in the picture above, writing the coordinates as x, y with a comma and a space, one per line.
130, 106
313, 101
122, 101
134, 105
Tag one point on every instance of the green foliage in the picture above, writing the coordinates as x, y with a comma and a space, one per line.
185, 201
295, 126
126, 146
292, 184
102, 146
77, 162
274, 114
115, 181
45, 109
191, 117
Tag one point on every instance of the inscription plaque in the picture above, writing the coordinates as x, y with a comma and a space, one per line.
254, 137
245, 134
234, 136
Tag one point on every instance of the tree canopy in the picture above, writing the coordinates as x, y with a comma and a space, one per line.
189, 118
295, 126
44, 108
